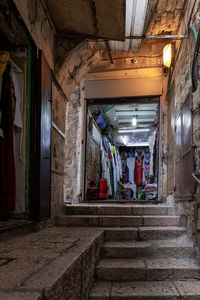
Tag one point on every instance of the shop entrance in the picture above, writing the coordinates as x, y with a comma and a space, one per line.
122, 150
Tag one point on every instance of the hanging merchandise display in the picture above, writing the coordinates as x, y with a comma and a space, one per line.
7, 160
139, 168
131, 166
146, 166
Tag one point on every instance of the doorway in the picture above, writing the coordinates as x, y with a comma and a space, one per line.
122, 150
25, 124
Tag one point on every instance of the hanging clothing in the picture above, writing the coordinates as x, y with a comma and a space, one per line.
106, 169
139, 168
131, 167
18, 80
151, 142
146, 166
7, 162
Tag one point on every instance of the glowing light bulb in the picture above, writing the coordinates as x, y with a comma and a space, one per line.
167, 55
134, 121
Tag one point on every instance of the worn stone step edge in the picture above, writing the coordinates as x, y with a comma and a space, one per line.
152, 290
123, 221
147, 269
119, 209
142, 233
138, 248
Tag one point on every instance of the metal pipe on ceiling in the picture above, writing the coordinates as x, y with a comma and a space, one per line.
151, 37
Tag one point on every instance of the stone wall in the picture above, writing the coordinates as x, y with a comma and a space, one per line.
180, 87
57, 153
36, 21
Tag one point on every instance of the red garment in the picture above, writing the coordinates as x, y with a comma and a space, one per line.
7, 161
139, 169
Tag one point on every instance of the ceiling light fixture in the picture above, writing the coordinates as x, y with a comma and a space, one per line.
133, 130
139, 144
134, 121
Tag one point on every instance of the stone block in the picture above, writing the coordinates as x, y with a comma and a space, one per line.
121, 269
58, 108
162, 269
153, 233
67, 286
171, 5
144, 290
120, 234
88, 269
161, 7
161, 221
100, 291
189, 290
114, 210
99, 244
80, 209
56, 194
79, 220
20, 295
122, 221
126, 249
57, 154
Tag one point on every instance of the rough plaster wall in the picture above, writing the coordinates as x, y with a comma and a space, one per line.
57, 153
72, 146
37, 24
163, 153
182, 85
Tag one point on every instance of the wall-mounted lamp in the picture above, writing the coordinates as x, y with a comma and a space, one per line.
167, 55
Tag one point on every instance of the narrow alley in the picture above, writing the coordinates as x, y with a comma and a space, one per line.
99, 149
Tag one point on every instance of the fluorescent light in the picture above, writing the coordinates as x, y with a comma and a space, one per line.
142, 144
133, 130
134, 121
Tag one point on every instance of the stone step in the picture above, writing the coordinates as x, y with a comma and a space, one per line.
147, 269
117, 209
143, 233
160, 233
122, 221
152, 290
131, 249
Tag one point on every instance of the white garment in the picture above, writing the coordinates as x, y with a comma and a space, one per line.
131, 166
18, 81
151, 142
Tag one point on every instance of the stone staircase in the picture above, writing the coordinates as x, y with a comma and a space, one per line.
146, 253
